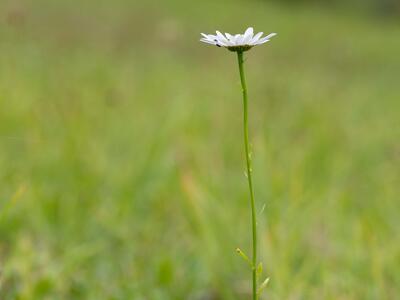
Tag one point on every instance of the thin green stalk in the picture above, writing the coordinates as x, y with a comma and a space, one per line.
249, 170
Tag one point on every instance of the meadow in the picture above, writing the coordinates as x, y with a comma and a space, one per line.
121, 157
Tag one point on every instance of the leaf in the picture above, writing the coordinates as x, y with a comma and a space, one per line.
259, 270
263, 286
244, 256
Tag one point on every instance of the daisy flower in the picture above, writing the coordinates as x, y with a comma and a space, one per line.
240, 43
237, 42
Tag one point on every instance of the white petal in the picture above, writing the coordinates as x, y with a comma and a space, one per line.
271, 35
260, 43
247, 39
229, 37
209, 37
265, 39
215, 40
207, 41
222, 39
248, 35
220, 43
248, 31
212, 37
256, 38
240, 40
236, 38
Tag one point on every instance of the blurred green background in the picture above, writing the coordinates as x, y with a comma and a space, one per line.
121, 157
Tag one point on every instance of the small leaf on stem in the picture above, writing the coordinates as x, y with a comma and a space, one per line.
244, 256
263, 286
259, 270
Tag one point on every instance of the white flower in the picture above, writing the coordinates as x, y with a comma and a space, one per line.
237, 42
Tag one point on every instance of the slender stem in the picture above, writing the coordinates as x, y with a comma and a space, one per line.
249, 170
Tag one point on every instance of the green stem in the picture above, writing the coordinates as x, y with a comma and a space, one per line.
249, 170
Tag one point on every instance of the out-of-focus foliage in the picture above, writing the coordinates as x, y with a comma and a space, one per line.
381, 8
121, 158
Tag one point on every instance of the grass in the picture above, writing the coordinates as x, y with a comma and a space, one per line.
121, 173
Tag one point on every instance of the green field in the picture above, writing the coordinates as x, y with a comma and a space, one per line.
121, 156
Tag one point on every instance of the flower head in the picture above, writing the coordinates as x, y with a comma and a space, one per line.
237, 42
